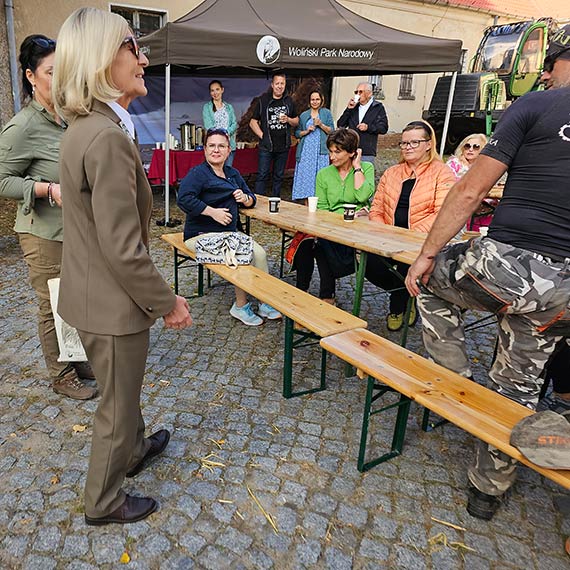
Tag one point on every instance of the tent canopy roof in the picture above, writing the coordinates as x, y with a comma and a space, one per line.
246, 37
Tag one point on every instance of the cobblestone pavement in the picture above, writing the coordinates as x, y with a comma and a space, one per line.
217, 387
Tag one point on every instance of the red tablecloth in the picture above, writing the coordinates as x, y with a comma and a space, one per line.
181, 161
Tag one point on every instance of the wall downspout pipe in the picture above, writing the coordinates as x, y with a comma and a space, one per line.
9, 9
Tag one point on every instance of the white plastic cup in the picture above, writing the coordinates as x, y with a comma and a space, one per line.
274, 205
483, 231
157, 145
349, 212
313, 201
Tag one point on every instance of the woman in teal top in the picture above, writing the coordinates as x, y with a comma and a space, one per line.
346, 181
217, 114
29, 154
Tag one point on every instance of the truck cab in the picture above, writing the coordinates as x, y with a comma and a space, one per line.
506, 65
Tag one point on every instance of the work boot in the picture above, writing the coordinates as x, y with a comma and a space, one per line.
85, 373
71, 386
84, 370
480, 505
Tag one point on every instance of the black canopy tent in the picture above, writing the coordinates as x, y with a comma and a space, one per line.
252, 37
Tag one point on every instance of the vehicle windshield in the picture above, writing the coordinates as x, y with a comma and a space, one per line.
498, 51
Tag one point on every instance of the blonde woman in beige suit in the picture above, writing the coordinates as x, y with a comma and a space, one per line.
110, 289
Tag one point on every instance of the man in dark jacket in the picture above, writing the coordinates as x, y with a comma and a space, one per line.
272, 119
367, 117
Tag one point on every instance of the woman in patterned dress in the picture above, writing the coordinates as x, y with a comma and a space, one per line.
312, 154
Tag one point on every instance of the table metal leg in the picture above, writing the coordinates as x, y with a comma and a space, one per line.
290, 345
403, 405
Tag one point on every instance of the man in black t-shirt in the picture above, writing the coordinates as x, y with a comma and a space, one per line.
272, 119
520, 271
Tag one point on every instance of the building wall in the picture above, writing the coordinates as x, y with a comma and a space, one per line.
46, 17
5, 82
425, 19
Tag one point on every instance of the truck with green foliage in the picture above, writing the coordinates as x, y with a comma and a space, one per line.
507, 64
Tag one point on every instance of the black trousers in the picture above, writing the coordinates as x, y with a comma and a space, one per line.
377, 272
304, 263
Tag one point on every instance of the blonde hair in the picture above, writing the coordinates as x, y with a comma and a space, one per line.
459, 151
429, 133
87, 45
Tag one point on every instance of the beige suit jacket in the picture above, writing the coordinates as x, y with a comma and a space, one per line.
109, 284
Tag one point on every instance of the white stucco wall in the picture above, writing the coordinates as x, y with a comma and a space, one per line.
419, 18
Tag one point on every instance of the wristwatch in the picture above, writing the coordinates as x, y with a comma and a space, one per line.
358, 170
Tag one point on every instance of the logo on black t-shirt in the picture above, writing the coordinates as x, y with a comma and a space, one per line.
564, 132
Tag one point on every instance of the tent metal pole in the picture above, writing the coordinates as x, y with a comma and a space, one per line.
167, 144
448, 112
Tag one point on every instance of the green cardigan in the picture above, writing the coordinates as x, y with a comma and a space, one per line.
29, 153
333, 192
210, 123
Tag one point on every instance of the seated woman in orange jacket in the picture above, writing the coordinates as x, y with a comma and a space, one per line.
409, 195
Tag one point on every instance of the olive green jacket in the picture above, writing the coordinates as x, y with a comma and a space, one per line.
29, 153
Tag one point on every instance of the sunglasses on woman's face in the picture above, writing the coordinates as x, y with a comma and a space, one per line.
132, 46
474, 146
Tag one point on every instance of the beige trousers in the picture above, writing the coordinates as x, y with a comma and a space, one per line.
118, 442
43, 257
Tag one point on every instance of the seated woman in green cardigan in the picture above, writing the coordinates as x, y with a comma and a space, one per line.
346, 181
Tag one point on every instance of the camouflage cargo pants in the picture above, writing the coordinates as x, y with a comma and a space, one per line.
529, 294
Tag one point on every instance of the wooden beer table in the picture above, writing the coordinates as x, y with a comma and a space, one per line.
366, 236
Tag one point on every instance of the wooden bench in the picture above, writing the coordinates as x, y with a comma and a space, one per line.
472, 407
319, 318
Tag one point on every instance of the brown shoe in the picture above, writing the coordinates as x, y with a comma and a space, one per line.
158, 443
84, 370
134, 509
71, 386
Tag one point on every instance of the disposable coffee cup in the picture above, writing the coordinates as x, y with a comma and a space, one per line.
356, 98
274, 205
157, 145
483, 231
349, 212
313, 201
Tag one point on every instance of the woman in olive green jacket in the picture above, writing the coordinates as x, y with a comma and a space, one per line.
29, 153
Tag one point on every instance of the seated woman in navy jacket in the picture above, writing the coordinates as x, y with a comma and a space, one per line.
210, 195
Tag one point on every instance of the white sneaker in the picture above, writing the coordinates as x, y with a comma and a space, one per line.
268, 312
246, 315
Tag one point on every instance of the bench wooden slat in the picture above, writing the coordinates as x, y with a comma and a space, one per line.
316, 315
476, 409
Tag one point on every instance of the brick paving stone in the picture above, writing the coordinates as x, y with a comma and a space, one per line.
107, 548
75, 546
234, 540
35, 562
335, 559
15, 546
374, 549
308, 552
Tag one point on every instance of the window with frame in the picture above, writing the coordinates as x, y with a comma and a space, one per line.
406, 86
141, 21
377, 88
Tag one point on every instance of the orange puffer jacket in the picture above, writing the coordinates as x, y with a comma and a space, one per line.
433, 181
